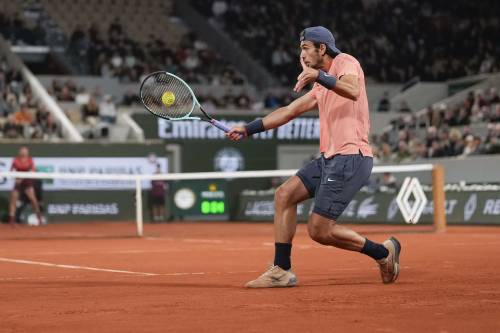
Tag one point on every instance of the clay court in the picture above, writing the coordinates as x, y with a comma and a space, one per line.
188, 277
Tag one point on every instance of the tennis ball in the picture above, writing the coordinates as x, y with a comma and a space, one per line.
168, 98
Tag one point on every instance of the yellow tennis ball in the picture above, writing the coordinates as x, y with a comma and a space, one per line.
168, 98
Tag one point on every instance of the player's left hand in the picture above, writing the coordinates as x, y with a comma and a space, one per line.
307, 76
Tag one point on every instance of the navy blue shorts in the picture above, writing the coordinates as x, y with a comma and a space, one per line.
333, 182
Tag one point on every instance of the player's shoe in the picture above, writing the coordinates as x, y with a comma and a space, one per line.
12, 222
274, 277
389, 266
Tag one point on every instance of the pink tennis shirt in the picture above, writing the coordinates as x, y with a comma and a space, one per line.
344, 123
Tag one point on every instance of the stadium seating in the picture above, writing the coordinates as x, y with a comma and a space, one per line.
394, 41
21, 115
470, 128
17, 28
143, 18
152, 39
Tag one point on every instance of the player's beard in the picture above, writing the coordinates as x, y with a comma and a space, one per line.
318, 61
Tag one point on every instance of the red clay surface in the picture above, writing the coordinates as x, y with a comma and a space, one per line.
448, 283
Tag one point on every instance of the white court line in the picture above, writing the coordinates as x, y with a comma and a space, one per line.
209, 241
56, 253
48, 264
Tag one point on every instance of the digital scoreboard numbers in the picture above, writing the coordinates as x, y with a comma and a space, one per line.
200, 200
213, 201
213, 207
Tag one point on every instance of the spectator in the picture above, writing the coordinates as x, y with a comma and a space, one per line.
107, 110
471, 146
384, 104
157, 195
402, 153
130, 98
50, 128
4, 107
242, 101
385, 153
23, 116
435, 150
420, 151
65, 95
455, 145
403, 107
11, 130
462, 117
271, 101
90, 111
492, 140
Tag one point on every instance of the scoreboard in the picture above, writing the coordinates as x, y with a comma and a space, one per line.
199, 200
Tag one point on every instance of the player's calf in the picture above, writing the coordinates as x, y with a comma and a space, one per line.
327, 232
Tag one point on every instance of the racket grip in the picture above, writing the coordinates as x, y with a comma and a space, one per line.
221, 126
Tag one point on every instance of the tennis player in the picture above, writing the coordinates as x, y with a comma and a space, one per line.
344, 166
23, 163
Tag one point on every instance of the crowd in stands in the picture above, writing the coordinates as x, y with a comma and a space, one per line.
113, 53
444, 131
393, 40
18, 32
21, 115
97, 110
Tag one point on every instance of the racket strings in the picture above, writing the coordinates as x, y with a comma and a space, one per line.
160, 83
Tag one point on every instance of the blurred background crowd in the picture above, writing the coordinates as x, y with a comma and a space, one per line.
393, 40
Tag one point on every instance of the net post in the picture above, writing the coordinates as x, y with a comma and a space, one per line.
439, 198
138, 206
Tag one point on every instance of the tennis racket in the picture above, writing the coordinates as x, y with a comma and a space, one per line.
169, 97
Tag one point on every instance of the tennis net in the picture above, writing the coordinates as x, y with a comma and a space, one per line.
395, 195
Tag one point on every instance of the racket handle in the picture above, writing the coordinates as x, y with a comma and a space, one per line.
221, 126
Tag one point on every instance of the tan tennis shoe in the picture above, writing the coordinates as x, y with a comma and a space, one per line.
389, 266
274, 277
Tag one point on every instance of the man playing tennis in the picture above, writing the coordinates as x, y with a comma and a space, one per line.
344, 166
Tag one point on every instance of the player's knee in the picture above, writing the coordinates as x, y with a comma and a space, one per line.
282, 196
318, 231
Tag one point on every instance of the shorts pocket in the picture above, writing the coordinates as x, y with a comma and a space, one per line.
332, 173
352, 166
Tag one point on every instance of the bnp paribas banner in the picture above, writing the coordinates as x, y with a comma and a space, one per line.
89, 165
471, 207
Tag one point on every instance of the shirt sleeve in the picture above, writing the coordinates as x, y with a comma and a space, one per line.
32, 165
347, 67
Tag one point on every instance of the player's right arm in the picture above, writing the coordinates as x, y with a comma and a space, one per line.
278, 117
